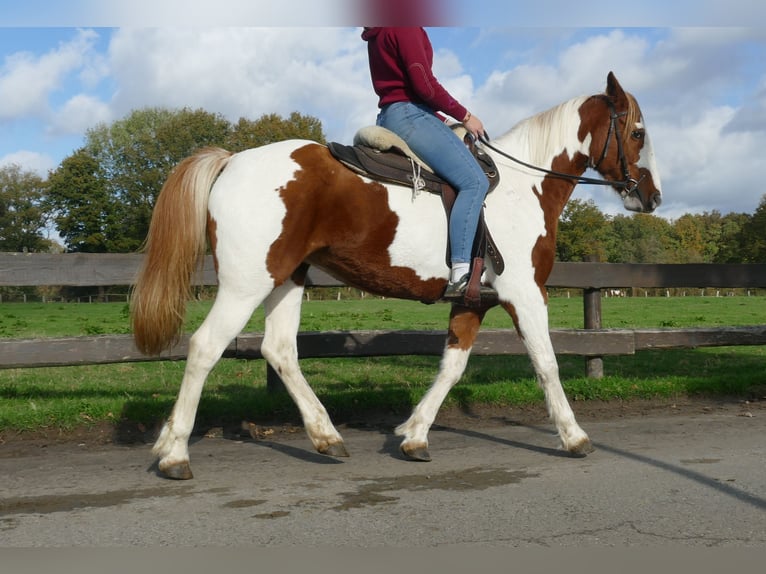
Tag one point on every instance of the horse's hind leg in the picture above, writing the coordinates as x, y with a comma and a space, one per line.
226, 319
533, 326
279, 348
463, 328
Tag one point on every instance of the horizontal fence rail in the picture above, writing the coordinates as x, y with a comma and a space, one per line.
104, 349
593, 342
101, 269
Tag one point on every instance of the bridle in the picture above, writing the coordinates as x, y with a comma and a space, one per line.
627, 186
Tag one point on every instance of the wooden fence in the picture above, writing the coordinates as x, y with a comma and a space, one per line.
592, 342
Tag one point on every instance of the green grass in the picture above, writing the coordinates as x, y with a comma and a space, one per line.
143, 393
30, 320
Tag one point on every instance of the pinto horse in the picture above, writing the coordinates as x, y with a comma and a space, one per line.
271, 212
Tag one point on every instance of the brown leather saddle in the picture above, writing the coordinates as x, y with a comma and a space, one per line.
383, 156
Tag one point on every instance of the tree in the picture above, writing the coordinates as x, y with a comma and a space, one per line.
583, 231
641, 238
135, 156
753, 236
104, 194
730, 248
273, 128
81, 206
22, 219
689, 231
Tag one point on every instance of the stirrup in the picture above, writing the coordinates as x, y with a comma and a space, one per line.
456, 291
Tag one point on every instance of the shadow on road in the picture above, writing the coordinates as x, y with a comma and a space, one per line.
697, 477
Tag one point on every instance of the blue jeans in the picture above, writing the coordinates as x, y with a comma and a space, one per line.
433, 141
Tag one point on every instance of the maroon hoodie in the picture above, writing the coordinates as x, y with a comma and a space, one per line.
400, 66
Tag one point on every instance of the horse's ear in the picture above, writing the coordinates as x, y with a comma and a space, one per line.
613, 88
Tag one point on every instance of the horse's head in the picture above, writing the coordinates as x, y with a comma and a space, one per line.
620, 149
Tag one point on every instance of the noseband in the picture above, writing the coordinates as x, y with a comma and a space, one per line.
627, 186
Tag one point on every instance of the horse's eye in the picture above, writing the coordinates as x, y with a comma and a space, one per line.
637, 135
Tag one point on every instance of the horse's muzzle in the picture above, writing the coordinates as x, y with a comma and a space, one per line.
654, 202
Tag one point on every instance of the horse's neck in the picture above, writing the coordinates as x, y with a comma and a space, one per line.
544, 137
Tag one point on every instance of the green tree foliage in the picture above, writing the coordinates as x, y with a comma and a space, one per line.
583, 232
692, 238
641, 238
689, 233
136, 155
730, 249
81, 205
753, 236
103, 195
22, 219
272, 128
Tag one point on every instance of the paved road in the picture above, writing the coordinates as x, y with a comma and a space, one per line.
689, 479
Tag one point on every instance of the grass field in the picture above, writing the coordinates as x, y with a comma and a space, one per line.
143, 393
30, 320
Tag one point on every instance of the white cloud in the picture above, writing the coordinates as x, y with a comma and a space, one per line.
705, 118
586, 63
243, 72
446, 64
78, 114
27, 82
751, 117
29, 161
708, 168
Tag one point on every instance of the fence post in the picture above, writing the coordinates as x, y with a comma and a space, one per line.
591, 298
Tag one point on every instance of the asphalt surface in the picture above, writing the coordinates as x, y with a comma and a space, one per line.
692, 479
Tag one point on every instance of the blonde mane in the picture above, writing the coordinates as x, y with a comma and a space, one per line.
545, 131
633, 117
548, 130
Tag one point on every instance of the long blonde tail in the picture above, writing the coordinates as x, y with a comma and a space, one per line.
174, 248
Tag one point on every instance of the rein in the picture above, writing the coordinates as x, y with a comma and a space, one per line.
627, 186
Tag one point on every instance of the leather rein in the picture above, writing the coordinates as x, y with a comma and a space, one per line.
628, 186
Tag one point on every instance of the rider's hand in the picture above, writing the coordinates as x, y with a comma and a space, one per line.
474, 126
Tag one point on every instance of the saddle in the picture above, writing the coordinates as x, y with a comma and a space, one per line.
382, 155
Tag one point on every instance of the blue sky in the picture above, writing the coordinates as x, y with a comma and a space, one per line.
698, 74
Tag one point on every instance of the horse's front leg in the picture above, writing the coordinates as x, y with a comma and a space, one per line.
463, 328
533, 326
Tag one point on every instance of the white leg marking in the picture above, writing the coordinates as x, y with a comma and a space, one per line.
279, 347
538, 343
415, 429
228, 316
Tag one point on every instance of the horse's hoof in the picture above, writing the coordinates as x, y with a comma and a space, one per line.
337, 449
583, 448
177, 471
418, 453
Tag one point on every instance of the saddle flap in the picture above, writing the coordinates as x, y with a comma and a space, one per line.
391, 166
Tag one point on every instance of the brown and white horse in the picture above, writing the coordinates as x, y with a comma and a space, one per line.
271, 212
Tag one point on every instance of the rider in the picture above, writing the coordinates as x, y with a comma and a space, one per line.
410, 98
